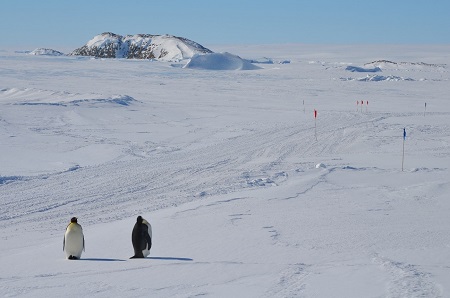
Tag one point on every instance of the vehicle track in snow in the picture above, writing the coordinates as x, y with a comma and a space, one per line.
261, 156
406, 280
291, 282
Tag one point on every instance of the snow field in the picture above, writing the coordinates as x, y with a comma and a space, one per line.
223, 165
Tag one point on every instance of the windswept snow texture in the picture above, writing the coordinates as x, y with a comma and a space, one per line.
248, 194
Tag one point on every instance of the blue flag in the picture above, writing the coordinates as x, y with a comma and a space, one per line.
404, 134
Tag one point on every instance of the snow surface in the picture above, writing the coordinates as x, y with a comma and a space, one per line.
225, 165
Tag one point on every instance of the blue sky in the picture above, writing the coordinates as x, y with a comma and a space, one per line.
52, 23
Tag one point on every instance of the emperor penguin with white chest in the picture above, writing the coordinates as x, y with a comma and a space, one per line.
141, 238
73, 244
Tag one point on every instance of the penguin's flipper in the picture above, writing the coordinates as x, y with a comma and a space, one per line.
149, 241
64, 242
143, 241
84, 249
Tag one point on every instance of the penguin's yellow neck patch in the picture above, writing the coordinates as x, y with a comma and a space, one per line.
73, 225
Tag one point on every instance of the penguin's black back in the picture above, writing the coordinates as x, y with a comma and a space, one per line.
140, 238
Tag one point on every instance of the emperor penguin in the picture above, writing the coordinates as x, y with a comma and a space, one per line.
73, 243
141, 238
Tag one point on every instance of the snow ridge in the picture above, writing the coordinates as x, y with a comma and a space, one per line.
140, 46
378, 78
391, 64
34, 97
362, 69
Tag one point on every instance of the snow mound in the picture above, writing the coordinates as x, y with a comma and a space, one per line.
320, 166
45, 52
219, 61
361, 69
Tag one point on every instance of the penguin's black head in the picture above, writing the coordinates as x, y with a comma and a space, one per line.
139, 219
74, 219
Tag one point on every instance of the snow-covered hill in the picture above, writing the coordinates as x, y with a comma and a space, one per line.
140, 46
45, 52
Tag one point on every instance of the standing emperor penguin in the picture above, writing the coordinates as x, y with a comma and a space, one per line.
141, 238
73, 243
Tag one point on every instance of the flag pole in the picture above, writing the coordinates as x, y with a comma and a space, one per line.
403, 155
315, 123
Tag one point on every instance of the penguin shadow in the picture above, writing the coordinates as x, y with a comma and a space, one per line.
170, 259
101, 260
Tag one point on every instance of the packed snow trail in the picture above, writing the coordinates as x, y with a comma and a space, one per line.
261, 156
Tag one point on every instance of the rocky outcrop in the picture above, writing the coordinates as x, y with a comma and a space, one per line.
140, 46
45, 52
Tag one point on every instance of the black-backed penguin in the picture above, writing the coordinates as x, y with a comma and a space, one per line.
141, 238
73, 243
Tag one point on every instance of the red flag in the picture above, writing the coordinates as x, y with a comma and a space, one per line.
315, 114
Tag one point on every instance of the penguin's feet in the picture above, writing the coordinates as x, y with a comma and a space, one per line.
72, 257
137, 257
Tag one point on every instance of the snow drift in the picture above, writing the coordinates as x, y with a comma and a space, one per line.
362, 69
219, 61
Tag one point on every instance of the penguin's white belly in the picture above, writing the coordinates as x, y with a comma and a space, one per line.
74, 242
146, 251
